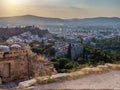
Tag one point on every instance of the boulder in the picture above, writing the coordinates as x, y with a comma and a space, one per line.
96, 70
26, 84
104, 68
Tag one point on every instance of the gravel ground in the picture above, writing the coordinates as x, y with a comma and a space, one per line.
109, 80
10, 85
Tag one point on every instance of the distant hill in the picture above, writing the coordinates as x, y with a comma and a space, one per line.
5, 33
36, 20
28, 20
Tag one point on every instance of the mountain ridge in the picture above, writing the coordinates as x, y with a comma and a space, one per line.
37, 20
29, 15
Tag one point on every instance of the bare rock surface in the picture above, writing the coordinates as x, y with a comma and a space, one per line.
108, 80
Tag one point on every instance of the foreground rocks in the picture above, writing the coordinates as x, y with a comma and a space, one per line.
69, 76
105, 81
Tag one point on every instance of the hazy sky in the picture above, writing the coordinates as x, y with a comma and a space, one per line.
61, 8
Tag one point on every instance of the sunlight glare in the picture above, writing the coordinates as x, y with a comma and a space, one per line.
13, 2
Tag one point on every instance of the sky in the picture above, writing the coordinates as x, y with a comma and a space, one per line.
61, 8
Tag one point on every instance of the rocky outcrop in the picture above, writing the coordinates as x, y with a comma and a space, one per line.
71, 50
76, 51
9, 32
69, 76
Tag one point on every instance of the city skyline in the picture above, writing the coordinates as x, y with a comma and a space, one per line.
61, 8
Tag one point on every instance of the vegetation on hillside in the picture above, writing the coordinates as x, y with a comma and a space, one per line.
91, 57
105, 51
111, 45
108, 44
42, 48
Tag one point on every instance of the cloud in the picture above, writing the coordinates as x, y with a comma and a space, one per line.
80, 6
62, 8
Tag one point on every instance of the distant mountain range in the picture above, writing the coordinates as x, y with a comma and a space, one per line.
36, 20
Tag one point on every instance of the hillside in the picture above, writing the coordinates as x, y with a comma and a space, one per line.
5, 33
36, 20
27, 20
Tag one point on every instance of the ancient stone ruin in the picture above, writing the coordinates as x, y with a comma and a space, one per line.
17, 61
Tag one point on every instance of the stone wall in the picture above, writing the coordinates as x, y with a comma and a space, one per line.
22, 63
21, 68
6, 73
13, 69
24, 67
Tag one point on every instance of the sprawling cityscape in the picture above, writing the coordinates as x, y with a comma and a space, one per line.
59, 44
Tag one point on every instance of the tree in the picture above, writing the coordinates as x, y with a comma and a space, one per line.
81, 60
69, 51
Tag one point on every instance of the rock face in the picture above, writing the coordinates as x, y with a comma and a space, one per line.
63, 49
9, 32
76, 51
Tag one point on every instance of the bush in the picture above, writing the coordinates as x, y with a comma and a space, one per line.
81, 60
63, 64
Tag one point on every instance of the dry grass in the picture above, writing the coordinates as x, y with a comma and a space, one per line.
41, 58
37, 74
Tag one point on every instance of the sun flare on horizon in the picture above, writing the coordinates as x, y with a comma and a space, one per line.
61, 8
13, 2
11, 6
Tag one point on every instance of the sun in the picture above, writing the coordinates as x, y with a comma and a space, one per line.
13, 2
13, 6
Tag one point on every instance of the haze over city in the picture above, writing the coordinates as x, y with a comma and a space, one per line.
59, 44
61, 8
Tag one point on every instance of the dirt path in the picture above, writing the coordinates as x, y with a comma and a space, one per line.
109, 80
